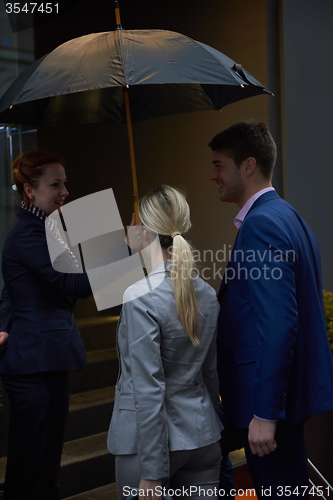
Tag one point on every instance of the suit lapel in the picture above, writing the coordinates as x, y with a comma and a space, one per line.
224, 284
270, 195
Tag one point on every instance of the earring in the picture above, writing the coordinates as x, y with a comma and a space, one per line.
32, 196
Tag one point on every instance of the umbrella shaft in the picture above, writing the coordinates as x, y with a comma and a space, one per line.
132, 155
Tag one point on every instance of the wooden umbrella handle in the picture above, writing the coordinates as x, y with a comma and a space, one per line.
132, 155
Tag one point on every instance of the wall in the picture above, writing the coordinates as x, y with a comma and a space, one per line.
308, 75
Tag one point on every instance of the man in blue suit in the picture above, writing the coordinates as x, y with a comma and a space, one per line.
274, 360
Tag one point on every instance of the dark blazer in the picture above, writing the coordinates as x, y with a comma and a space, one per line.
37, 303
274, 358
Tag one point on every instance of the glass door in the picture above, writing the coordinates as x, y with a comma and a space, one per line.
13, 140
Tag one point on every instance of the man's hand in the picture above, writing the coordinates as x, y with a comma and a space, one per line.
3, 341
262, 437
149, 484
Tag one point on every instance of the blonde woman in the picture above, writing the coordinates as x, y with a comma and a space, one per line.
164, 429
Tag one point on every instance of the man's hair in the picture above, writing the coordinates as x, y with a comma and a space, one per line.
245, 139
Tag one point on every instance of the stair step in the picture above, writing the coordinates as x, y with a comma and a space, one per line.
98, 332
101, 371
89, 413
3, 461
91, 398
87, 307
84, 448
86, 464
237, 457
81, 403
108, 492
80, 454
86, 433
101, 355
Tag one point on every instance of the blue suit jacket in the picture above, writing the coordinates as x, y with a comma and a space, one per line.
274, 358
37, 303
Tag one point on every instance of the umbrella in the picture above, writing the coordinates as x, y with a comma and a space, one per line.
125, 76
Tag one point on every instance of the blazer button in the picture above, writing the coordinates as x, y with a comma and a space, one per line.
165, 469
164, 450
165, 460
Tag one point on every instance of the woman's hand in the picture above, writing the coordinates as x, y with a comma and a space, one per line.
3, 341
134, 237
150, 484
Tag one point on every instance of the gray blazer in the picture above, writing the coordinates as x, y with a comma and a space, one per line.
167, 388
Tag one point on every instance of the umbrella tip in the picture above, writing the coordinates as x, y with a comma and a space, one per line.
117, 12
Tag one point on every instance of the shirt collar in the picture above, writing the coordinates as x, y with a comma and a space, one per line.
161, 267
35, 211
238, 221
49, 221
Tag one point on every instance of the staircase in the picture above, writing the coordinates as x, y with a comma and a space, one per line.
86, 462
87, 468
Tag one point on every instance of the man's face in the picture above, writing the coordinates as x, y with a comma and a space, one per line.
228, 177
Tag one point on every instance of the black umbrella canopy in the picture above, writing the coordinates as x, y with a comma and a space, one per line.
83, 80
125, 76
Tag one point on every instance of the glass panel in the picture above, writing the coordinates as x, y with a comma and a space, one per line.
13, 140
17, 52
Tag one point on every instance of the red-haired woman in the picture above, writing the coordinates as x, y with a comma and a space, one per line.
39, 338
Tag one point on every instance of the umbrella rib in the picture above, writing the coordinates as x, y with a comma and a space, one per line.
156, 42
230, 70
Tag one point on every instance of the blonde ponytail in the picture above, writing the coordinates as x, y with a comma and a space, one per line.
165, 211
182, 268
